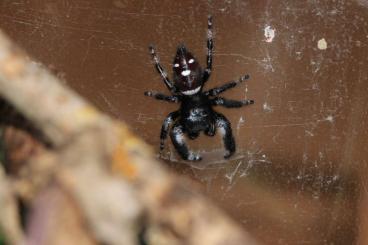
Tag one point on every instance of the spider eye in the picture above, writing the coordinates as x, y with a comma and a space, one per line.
191, 61
176, 65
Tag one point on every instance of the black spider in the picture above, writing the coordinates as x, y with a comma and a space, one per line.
196, 113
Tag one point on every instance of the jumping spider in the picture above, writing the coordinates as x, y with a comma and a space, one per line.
196, 113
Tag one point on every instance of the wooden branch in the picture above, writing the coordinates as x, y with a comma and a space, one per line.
56, 220
9, 221
111, 174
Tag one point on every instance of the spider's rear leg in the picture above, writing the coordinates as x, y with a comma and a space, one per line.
224, 127
178, 140
165, 127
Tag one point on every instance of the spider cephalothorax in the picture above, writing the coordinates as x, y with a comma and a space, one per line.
195, 114
187, 72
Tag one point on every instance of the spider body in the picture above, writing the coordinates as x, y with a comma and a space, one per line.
196, 113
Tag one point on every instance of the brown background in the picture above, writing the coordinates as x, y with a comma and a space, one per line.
298, 175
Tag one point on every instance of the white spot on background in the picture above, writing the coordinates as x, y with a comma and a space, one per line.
330, 119
322, 44
240, 123
269, 34
267, 107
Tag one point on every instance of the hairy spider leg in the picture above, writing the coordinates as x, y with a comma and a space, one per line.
161, 70
231, 103
160, 96
226, 86
178, 140
224, 127
208, 70
165, 127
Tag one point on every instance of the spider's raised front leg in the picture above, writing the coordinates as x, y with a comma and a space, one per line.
161, 70
178, 140
165, 127
224, 127
160, 96
231, 103
208, 70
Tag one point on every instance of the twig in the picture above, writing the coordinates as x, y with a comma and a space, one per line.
9, 221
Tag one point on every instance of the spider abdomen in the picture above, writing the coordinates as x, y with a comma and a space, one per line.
196, 114
196, 122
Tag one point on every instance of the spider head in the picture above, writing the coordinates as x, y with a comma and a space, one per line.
187, 72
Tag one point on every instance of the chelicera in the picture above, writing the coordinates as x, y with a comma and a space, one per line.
196, 113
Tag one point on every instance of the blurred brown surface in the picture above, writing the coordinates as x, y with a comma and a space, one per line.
301, 147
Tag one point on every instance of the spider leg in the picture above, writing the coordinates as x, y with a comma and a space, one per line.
160, 96
165, 127
161, 70
208, 70
223, 88
224, 127
178, 140
231, 103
